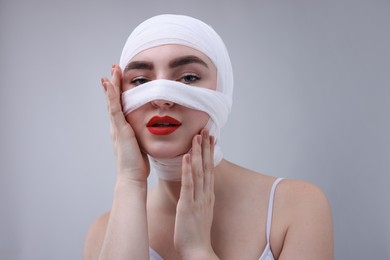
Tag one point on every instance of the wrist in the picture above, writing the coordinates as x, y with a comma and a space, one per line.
132, 176
125, 184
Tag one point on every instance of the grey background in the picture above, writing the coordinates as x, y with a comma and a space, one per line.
312, 89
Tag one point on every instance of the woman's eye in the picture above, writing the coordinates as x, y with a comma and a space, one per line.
189, 78
139, 81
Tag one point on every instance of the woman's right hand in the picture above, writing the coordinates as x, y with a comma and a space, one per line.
132, 164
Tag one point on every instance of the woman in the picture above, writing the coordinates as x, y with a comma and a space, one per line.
167, 100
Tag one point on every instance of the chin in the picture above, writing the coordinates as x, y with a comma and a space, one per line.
164, 155
165, 151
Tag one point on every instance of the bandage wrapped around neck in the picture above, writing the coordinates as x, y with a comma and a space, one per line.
187, 31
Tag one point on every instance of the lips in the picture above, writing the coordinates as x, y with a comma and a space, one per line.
165, 125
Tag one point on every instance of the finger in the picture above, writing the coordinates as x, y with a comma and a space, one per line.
206, 158
104, 83
197, 166
187, 185
116, 78
212, 144
104, 87
114, 104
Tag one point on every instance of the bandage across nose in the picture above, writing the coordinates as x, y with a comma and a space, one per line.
216, 104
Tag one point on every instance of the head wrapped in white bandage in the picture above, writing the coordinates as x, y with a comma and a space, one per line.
187, 31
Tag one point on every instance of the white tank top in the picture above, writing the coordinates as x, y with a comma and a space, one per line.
267, 253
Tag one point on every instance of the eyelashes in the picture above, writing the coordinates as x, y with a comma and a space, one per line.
189, 78
186, 78
139, 81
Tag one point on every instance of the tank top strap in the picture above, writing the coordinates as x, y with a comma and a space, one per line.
270, 207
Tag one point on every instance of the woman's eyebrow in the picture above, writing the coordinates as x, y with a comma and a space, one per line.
139, 65
180, 61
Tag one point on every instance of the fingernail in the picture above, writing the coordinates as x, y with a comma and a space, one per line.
102, 81
199, 139
205, 133
113, 66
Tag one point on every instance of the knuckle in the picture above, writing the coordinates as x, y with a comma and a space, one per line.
199, 174
114, 109
186, 186
207, 166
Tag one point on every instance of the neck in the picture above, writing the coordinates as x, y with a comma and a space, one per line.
169, 191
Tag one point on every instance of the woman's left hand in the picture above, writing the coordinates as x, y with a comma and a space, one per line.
194, 214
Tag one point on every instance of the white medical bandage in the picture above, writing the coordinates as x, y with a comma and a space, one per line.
215, 104
187, 31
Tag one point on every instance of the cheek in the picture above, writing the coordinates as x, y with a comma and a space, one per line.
201, 118
130, 118
135, 119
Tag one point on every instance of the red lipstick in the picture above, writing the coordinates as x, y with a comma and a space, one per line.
164, 125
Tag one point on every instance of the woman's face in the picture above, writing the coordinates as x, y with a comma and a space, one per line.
165, 129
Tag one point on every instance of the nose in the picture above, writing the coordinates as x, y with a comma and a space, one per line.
160, 103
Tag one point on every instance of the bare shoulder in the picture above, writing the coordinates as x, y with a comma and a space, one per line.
95, 236
304, 210
303, 195
303, 201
